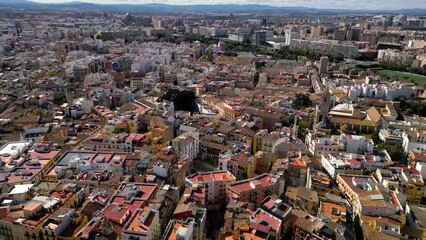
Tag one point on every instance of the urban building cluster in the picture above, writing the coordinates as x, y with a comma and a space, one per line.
110, 129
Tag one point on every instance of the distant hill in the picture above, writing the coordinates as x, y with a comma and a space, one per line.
158, 7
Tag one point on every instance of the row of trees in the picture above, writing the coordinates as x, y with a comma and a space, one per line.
232, 48
403, 68
412, 107
294, 54
276, 54
190, 38
393, 67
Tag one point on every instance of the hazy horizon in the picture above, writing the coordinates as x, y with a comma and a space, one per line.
328, 4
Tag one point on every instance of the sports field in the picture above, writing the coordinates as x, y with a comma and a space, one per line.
420, 80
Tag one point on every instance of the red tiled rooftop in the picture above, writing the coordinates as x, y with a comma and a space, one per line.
136, 136
52, 172
249, 184
327, 208
250, 236
100, 137
138, 108
133, 206
199, 193
279, 81
172, 234
137, 225
64, 197
122, 157
211, 176
349, 179
89, 227
355, 162
270, 203
146, 192
16, 179
266, 219
55, 194
32, 206
99, 198
3, 212
46, 156
116, 212
298, 162
105, 156
35, 222
381, 219
260, 227
8, 219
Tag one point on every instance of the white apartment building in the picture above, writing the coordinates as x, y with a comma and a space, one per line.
395, 56
382, 91
264, 141
142, 65
414, 140
289, 36
325, 46
338, 163
390, 136
421, 167
187, 143
214, 184
320, 145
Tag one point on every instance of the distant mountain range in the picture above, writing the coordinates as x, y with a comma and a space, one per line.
158, 7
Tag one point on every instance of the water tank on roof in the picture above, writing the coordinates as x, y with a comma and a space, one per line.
278, 202
365, 186
116, 159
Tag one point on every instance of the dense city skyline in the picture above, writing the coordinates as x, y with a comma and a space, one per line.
320, 4
211, 120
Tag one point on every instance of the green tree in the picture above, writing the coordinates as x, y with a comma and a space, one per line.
375, 137
301, 101
241, 176
230, 53
413, 107
182, 100
209, 56
396, 152
303, 125
408, 111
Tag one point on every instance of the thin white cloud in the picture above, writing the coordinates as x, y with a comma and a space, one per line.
331, 4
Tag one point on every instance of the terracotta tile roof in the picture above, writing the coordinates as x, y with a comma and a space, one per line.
264, 180
3, 212
115, 212
265, 219
371, 234
211, 176
374, 114
342, 120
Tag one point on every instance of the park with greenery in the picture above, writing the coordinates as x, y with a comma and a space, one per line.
182, 100
391, 75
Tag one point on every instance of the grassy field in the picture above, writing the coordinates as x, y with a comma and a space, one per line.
419, 80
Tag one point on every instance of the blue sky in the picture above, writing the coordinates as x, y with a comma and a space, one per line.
336, 4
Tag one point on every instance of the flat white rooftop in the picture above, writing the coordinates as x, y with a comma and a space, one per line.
20, 189
13, 147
